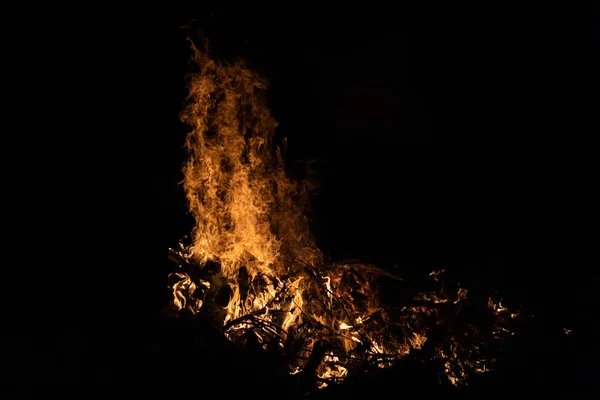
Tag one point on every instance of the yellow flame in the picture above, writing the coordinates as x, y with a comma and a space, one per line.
188, 287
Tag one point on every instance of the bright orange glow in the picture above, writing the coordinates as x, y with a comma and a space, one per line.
251, 241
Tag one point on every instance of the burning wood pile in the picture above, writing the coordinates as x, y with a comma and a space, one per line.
252, 269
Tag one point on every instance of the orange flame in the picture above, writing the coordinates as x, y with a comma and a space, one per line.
249, 222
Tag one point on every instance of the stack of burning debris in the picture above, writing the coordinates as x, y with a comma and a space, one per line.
334, 330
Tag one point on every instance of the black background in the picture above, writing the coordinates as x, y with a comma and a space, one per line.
452, 137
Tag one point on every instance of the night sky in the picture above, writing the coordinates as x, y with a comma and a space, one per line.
451, 137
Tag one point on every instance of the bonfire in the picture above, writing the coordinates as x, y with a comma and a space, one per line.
251, 266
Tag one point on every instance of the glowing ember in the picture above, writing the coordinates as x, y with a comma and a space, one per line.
254, 269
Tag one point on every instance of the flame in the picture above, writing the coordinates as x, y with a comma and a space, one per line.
185, 285
253, 265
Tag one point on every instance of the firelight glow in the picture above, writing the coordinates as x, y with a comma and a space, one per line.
252, 247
